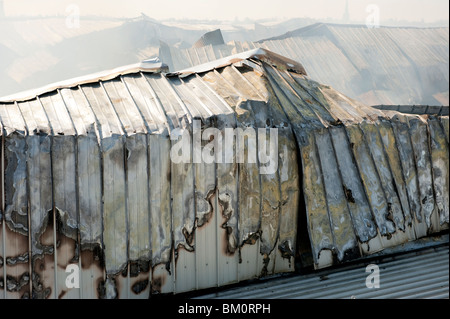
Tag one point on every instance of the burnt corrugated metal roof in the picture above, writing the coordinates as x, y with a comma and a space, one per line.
386, 65
417, 275
79, 159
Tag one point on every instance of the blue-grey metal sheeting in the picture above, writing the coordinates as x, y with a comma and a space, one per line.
418, 275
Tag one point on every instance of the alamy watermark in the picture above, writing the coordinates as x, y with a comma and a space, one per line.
250, 145
73, 16
373, 19
373, 280
73, 277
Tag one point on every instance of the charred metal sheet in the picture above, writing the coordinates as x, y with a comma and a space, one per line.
267, 145
420, 143
406, 155
249, 185
347, 58
249, 179
318, 218
15, 259
394, 209
364, 224
440, 163
90, 179
63, 164
370, 181
2, 213
392, 154
287, 175
40, 198
227, 189
340, 221
445, 125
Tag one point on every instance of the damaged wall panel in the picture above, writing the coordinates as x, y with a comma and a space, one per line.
90, 180
15, 270
40, 197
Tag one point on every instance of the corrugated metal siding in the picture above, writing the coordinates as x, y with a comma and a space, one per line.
89, 180
416, 109
420, 275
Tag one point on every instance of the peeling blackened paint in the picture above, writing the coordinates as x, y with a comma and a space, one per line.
205, 207
11, 261
139, 286
107, 289
17, 284
157, 283
16, 211
226, 207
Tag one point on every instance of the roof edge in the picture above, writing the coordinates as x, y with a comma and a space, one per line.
152, 65
156, 66
260, 54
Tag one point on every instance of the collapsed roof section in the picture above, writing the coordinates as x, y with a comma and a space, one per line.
210, 38
89, 152
387, 65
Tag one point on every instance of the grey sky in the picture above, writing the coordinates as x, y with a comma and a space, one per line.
411, 10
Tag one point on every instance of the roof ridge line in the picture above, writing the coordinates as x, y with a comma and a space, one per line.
156, 66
